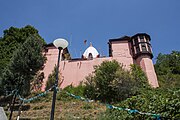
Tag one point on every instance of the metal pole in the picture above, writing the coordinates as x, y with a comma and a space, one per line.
55, 86
13, 102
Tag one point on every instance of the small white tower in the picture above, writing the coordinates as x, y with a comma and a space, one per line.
90, 53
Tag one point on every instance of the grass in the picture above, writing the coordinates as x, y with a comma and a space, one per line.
67, 108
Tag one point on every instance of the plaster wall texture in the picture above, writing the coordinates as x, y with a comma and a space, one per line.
121, 53
52, 56
73, 72
147, 65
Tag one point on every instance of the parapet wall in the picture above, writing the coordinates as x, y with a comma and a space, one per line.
75, 71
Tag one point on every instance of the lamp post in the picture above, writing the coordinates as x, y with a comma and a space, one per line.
60, 44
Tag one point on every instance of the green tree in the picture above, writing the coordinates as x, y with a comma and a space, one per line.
164, 102
168, 69
111, 82
139, 77
25, 63
12, 39
168, 63
37, 82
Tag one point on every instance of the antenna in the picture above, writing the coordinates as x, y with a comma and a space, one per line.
75, 52
70, 44
100, 52
70, 39
80, 53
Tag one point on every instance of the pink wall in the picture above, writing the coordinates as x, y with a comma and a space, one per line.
52, 56
147, 65
75, 71
121, 53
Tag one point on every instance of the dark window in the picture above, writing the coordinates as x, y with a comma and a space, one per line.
136, 40
137, 49
149, 48
110, 50
133, 43
46, 50
147, 39
141, 38
143, 46
90, 56
132, 49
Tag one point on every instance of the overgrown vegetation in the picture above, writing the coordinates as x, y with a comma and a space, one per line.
36, 83
163, 101
168, 69
52, 78
112, 83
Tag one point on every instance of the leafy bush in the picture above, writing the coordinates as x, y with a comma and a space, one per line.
78, 90
164, 102
168, 69
36, 83
139, 77
51, 79
112, 83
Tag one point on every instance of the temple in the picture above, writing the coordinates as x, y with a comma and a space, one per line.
126, 50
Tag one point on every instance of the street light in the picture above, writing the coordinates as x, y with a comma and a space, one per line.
60, 44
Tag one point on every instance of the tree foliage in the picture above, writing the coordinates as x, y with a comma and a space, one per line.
24, 64
168, 63
52, 78
111, 82
164, 102
12, 39
168, 69
37, 82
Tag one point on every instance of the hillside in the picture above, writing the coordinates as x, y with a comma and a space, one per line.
67, 108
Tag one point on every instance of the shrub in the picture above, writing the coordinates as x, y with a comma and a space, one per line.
112, 83
78, 90
164, 102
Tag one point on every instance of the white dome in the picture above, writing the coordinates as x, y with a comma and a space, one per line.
90, 52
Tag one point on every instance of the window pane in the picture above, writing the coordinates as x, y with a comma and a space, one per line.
143, 46
149, 48
141, 38
136, 41
147, 39
137, 49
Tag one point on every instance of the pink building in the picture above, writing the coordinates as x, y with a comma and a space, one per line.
126, 50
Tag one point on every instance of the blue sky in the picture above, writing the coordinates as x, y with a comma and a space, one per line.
96, 21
